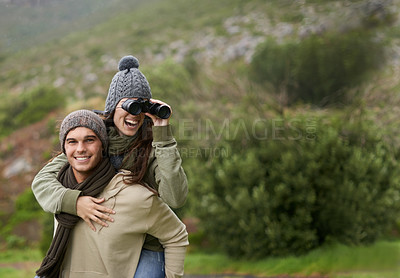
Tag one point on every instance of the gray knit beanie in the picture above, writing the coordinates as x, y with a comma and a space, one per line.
129, 82
84, 118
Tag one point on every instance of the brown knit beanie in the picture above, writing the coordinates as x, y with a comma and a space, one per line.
83, 118
129, 82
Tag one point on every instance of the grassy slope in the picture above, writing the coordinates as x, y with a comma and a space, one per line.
139, 28
334, 260
143, 28
379, 260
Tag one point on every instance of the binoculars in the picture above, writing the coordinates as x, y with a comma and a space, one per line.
137, 106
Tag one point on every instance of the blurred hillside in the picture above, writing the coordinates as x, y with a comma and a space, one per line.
60, 55
30, 23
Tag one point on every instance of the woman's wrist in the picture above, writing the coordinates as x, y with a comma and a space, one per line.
162, 133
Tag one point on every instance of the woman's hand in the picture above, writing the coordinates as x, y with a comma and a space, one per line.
89, 210
156, 120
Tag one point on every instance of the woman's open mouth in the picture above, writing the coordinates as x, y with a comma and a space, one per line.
131, 123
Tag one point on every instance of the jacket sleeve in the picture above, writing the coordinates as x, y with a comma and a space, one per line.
50, 193
169, 175
166, 226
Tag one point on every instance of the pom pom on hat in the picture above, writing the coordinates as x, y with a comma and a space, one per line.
128, 82
128, 62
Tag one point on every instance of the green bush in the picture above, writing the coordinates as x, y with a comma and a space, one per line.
170, 82
36, 104
320, 68
291, 192
7, 114
28, 108
26, 209
47, 221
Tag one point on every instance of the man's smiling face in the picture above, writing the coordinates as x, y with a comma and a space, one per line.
84, 151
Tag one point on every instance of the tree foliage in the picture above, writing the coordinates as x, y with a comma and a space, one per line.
320, 68
292, 193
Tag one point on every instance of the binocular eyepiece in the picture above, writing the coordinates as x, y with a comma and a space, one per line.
135, 107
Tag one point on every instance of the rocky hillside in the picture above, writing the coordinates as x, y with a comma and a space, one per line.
82, 61
77, 50
22, 155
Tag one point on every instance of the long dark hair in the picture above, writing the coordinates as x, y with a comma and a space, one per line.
141, 149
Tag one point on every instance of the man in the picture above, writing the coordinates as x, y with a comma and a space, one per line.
77, 250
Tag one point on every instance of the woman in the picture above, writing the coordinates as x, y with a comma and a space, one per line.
142, 144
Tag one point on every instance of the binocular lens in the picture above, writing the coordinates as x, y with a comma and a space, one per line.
163, 112
132, 107
135, 107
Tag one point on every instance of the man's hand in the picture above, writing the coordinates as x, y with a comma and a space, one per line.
89, 210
